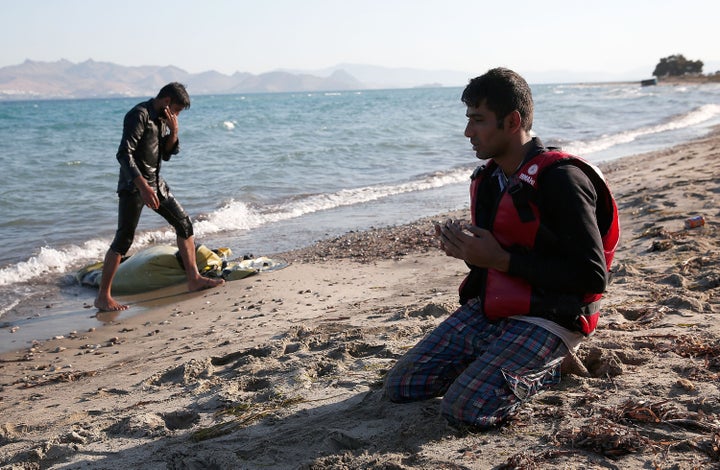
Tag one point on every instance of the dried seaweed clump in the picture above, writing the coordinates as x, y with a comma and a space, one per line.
607, 438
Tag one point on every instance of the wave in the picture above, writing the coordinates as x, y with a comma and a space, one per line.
9, 307
693, 118
52, 260
241, 216
236, 215
233, 216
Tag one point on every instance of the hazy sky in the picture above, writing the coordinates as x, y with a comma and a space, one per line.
258, 36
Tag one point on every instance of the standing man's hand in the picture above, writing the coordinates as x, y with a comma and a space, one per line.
149, 197
172, 121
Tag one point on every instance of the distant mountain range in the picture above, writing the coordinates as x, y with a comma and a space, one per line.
90, 79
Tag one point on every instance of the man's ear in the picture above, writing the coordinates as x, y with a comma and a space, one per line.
513, 121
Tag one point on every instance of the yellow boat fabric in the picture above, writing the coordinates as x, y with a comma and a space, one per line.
159, 266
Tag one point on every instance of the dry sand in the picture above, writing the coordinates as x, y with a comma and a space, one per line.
283, 370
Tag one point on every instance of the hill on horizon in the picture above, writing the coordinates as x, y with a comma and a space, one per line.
63, 79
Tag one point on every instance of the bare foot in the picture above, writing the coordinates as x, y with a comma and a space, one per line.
204, 283
109, 305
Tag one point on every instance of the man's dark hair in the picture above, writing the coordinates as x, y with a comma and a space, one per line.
503, 91
177, 93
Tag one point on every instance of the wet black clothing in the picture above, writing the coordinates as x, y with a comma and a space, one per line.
141, 152
142, 148
130, 207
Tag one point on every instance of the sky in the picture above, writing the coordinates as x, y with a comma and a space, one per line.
626, 37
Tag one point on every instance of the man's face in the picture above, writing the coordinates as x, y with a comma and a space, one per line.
175, 108
482, 129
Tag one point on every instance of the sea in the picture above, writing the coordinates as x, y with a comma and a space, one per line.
265, 173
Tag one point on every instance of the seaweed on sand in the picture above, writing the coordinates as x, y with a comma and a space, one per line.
244, 414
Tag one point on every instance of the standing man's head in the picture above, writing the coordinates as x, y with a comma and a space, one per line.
175, 96
502, 91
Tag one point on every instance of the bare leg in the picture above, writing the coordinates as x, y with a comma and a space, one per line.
195, 280
104, 301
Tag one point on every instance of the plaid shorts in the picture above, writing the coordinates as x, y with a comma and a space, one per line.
482, 369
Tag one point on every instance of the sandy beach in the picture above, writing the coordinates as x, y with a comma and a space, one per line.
283, 370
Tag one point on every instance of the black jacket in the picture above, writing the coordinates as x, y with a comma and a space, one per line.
568, 258
142, 146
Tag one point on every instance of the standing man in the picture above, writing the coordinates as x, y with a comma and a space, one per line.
543, 233
150, 135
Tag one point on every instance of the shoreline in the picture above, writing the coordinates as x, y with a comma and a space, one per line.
283, 369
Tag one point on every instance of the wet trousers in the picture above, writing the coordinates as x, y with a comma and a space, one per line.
130, 206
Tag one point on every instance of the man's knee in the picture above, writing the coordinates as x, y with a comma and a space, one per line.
394, 395
184, 228
391, 387
408, 381
122, 242
480, 408
478, 415
405, 383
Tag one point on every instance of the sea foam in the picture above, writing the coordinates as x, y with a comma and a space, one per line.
681, 121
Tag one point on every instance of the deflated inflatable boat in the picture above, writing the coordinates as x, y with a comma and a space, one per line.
160, 266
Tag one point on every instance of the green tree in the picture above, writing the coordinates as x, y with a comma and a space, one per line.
677, 65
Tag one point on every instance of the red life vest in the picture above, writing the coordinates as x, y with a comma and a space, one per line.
516, 223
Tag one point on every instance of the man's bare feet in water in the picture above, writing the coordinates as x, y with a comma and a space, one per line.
204, 283
108, 304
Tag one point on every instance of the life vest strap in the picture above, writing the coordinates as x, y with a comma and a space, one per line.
520, 198
591, 308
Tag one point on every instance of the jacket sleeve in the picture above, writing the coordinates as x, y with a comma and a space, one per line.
133, 130
570, 256
163, 143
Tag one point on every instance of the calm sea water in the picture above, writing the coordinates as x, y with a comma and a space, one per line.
263, 173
